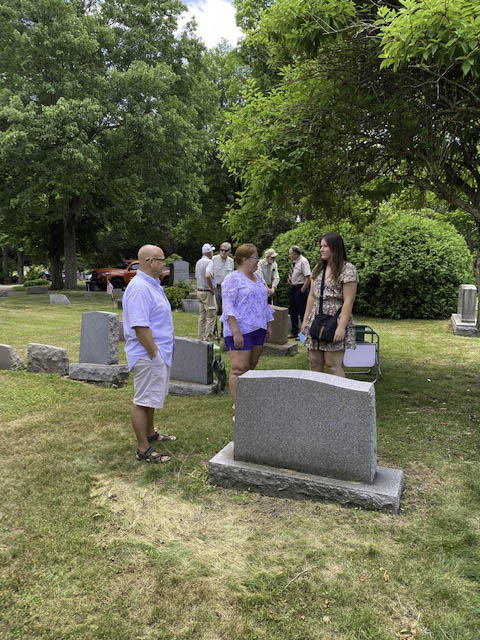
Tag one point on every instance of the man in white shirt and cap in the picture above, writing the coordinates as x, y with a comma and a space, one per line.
221, 266
268, 269
207, 319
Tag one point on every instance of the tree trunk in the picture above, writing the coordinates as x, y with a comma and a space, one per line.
4, 264
70, 217
55, 250
20, 265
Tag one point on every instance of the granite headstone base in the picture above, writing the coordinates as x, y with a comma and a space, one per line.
288, 349
109, 375
179, 388
383, 494
462, 328
32, 290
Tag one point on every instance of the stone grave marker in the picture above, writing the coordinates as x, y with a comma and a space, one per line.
179, 270
99, 351
305, 434
464, 322
9, 358
278, 343
99, 338
35, 289
58, 298
192, 367
43, 358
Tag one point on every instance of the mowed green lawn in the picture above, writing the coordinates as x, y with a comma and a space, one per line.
94, 545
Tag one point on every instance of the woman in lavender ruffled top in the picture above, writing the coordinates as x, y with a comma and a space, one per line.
246, 316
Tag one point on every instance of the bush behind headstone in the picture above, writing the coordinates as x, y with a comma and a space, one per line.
410, 267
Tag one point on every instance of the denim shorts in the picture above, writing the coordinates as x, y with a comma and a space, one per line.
256, 338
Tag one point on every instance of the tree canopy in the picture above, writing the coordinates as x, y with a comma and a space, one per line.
103, 109
355, 97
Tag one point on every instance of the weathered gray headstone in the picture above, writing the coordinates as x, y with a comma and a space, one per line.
279, 325
39, 289
302, 434
331, 423
9, 358
99, 338
3, 293
467, 302
43, 358
58, 298
190, 305
464, 321
192, 361
179, 270
100, 374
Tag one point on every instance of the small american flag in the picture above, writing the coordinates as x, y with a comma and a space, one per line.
109, 288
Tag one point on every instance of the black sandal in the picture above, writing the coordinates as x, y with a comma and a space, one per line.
152, 456
160, 436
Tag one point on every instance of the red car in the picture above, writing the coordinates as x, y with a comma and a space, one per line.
120, 276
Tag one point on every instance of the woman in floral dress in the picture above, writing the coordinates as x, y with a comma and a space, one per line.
246, 316
341, 281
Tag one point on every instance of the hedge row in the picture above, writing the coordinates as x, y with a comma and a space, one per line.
409, 266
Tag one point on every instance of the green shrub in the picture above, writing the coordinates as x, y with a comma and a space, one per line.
35, 272
173, 257
175, 295
410, 267
37, 282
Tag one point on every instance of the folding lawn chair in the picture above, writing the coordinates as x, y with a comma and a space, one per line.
365, 359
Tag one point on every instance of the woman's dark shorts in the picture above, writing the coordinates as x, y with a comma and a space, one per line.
256, 338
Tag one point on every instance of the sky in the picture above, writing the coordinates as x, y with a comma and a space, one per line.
215, 20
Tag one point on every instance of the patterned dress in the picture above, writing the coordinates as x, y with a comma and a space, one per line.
332, 301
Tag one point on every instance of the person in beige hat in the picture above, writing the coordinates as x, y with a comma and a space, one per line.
268, 269
207, 318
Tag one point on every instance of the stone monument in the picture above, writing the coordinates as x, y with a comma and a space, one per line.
192, 368
303, 434
98, 361
43, 358
179, 270
464, 322
278, 343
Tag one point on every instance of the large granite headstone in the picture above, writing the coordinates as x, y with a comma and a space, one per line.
99, 338
43, 358
58, 298
303, 434
179, 270
9, 358
332, 422
464, 322
190, 305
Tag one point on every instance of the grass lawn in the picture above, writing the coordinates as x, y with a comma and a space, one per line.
94, 545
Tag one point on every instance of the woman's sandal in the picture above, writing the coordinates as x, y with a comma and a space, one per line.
160, 436
152, 456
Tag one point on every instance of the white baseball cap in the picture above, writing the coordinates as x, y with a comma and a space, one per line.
207, 248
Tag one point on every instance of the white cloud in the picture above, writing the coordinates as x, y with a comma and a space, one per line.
215, 20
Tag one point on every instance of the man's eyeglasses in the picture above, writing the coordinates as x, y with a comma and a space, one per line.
224, 250
159, 259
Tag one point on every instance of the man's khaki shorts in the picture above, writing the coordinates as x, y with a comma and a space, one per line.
151, 379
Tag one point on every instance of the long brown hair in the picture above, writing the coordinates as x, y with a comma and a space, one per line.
339, 256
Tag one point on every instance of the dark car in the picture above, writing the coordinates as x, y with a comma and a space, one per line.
120, 276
